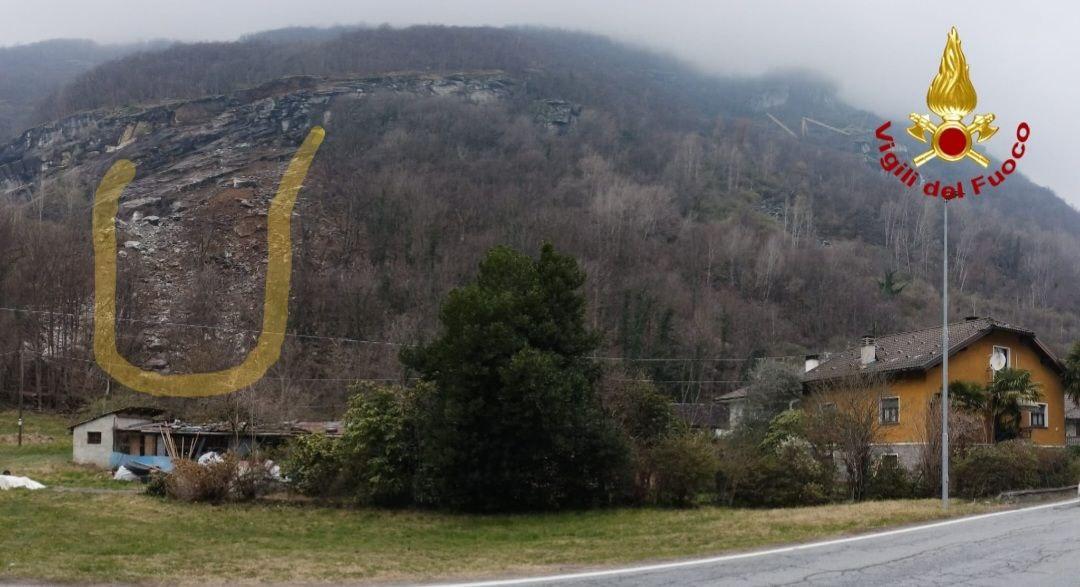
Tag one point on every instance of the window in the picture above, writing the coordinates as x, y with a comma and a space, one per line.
890, 410
890, 459
93, 438
1038, 416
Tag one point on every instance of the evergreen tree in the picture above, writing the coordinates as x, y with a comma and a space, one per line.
514, 422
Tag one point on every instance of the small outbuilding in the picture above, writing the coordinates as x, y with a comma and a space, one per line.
94, 441
138, 438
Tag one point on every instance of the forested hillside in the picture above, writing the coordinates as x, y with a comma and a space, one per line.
31, 73
710, 234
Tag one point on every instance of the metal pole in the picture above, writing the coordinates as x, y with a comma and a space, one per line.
945, 360
22, 381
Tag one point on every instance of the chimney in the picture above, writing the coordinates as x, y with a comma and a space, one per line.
812, 361
869, 351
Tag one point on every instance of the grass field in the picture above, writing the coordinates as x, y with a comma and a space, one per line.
125, 537
46, 453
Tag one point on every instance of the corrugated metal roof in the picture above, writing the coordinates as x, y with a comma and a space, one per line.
227, 429
129, 411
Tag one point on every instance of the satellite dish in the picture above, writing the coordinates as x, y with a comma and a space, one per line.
997, 360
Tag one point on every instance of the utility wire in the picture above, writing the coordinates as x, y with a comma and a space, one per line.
396, 344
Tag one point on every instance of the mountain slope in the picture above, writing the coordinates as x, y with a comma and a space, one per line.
711, 236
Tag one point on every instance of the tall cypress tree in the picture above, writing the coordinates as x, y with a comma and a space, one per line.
514, 422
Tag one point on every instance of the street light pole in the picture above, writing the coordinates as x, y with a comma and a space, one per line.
945, 359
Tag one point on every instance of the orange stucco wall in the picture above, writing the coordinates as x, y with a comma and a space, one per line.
973, 364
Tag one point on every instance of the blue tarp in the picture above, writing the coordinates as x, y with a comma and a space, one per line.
118, 458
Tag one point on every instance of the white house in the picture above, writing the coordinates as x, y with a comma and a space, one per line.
94, 441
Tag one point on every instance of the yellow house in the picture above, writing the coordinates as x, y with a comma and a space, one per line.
910, 364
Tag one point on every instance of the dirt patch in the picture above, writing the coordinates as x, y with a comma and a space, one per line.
229, 203
249, 226
28, 438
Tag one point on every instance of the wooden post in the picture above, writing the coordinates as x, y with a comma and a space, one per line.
22, 381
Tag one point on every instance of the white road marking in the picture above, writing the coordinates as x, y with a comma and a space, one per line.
746, 555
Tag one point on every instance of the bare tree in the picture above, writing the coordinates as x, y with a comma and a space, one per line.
846, 414
965, 430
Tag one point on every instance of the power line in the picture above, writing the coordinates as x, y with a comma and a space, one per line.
387, 343
208, 327
691, 359
679, 380
391, 379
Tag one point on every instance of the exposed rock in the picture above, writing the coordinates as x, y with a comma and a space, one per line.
210, 166
155, 343
158, 137
139, 203
557, 115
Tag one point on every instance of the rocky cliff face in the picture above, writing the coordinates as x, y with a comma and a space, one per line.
193, 222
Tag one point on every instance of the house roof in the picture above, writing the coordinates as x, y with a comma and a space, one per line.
144, 411
180, 428
702, 415
738, 394
919, 350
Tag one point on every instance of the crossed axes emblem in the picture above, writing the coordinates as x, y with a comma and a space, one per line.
952, 140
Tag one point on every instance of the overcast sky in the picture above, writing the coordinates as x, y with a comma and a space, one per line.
883, 55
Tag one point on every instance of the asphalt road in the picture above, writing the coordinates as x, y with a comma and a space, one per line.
1035, 546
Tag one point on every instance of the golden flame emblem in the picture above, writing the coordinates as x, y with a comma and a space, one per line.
952, 97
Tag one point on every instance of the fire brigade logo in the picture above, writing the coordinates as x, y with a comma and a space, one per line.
952, 97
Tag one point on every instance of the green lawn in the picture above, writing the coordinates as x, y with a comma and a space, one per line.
124, 537
45, 455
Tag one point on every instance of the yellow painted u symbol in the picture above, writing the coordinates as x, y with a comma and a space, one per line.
275, 300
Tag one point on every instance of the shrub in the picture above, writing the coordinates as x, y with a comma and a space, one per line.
212, 482
378, 449
1056, 467
156, 485
312, 465
889, 480
680, 466
785, 426
374, 462
790, 475
989, 470
642, 413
